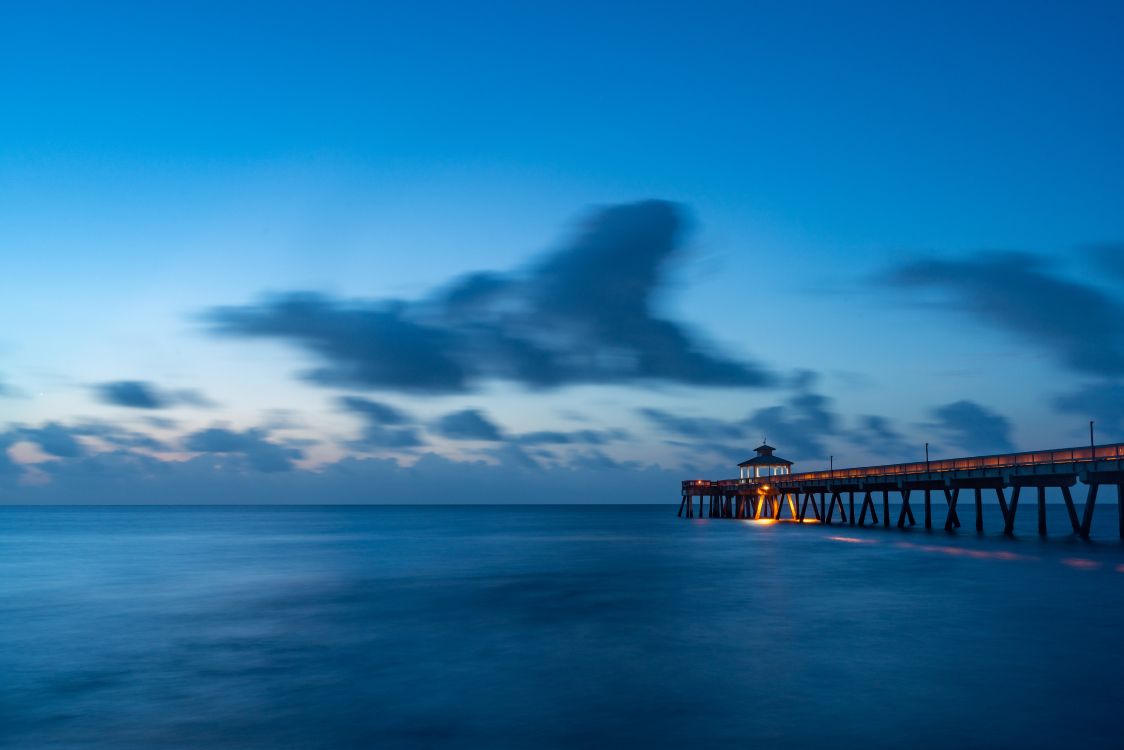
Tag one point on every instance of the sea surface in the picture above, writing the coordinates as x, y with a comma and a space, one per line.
542, 627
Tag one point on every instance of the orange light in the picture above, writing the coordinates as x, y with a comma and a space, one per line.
851, 540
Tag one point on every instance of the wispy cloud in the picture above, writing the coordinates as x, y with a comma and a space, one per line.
1078, 323
141, 394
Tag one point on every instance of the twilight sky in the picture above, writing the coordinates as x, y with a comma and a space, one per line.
270, 252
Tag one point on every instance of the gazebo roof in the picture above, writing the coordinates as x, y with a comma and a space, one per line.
765, 457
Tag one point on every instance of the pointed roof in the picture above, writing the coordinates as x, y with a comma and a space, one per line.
765, 457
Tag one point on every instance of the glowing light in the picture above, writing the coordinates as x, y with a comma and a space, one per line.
851, 540
977, 554
1081, 563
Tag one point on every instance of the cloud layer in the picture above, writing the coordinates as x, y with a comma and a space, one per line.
587, 313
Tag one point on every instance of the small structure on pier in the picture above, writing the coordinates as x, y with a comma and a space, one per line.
764, 464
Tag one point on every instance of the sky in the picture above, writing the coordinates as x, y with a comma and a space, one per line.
429, 252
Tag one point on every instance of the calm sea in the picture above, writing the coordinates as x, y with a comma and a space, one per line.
538, 627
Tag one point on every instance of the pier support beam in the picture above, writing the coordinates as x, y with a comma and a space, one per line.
928, 508
1070, 510
1009, 529
1120, 508
1087, 516
979, 508
868, 502
1041, 511
906, 511
1002, 504
951, 521
836, 499
886, 508
952, 517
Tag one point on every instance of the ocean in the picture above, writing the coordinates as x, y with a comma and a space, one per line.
543, 627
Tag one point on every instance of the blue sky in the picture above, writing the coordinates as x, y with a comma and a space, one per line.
906, 220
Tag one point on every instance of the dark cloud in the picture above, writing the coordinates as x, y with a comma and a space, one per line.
972, 427
694, 427
1080, 324
139, 394
468, 424
801, 424
259, 453
118, 436
876, 434
1102, 402
384, 426
54, 439
132, 393
7, 465
596, 460
587, 313
374, 411
575, 437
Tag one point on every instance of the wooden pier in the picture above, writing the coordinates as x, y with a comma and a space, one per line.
819, 495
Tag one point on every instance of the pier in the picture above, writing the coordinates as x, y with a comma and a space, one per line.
767, 488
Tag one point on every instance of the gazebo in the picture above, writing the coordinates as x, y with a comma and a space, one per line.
764, 464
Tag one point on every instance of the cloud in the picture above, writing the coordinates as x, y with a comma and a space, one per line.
575, 437
973, 428
118, 436
694, 427
587, 313
1102, 402
140, 394
54, 439
251, 445
468, 424
375, 411
219, 475
800, 424
876, 434
384, 426
1079, 324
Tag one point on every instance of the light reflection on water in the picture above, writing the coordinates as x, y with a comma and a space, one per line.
547, 627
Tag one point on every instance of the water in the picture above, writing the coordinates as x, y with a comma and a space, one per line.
533, 627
